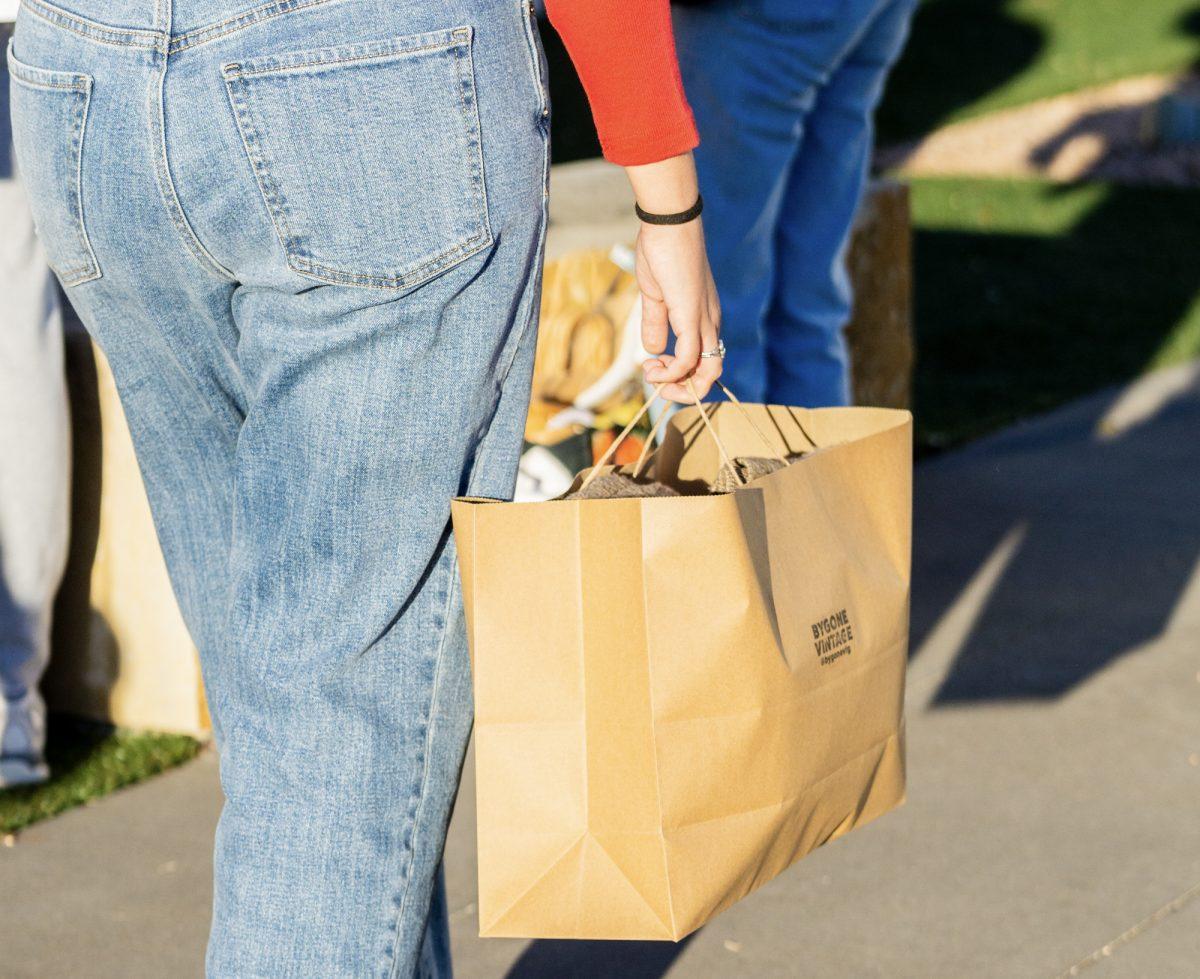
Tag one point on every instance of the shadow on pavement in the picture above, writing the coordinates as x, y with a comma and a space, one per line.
1014, 322
1106, 519
934, 78
546, 959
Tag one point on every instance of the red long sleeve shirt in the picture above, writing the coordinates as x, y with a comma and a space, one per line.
624, 52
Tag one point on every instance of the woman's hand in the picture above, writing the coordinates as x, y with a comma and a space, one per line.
677, 287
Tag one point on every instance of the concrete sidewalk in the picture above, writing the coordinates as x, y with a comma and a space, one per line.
1054, 757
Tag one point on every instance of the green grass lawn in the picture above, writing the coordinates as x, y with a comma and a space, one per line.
87, 761
1029, 294
967, 57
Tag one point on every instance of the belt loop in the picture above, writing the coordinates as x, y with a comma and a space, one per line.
162, 25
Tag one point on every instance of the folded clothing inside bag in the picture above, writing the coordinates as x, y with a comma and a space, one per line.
619, 486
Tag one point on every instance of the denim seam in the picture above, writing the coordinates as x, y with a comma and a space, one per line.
534, 308
49, 78
231, 25
277, 64
93, 30
41, 78
295, 253
91, 270
268, 191
422, 794
166, 187
535, 70
534, 311
75, 86
463, 250
469, 101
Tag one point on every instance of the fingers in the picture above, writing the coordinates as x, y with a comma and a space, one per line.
709, 368
687, 352
655, 326
702, 378
678, 295
686, 363
676, 391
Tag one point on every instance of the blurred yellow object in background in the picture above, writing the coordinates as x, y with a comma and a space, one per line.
121, 650
586, 299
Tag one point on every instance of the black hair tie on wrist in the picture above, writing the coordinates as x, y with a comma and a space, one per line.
680, 217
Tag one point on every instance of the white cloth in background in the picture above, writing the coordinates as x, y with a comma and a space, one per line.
8, 10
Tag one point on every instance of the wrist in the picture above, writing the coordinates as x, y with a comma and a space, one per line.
666, 187
675, 218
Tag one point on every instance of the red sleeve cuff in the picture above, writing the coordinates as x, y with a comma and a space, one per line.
624, 52
657, 146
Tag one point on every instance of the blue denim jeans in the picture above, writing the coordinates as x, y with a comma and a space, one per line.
784, 92
34, 468
308, 236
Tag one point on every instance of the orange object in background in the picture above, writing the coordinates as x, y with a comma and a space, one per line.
627, 452
122, 653
586, 299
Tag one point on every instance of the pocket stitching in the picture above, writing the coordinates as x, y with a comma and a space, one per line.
92, 30
467, 92
91, 270
43, 79
78, 85
231, 25
462, 250
361, 51
295, 252
536, 65
266, 185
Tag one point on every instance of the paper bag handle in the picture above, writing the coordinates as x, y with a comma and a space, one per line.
758, 431
649, 449
616, 443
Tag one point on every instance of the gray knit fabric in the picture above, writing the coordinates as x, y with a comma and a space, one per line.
617, 486
750, 467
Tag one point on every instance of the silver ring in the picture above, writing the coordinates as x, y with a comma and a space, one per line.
719, 352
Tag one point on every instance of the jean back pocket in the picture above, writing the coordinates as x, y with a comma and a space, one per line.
368, 156
49, 119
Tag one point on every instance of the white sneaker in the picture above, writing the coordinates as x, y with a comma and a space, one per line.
21, 771
22, 735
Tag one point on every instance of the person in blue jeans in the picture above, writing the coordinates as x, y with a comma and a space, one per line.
308, 237
34, 463
784, 92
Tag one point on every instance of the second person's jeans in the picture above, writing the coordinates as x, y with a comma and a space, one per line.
34, 468
784, 92
307, 236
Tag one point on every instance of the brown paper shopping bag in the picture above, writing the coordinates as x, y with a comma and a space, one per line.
677, 697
